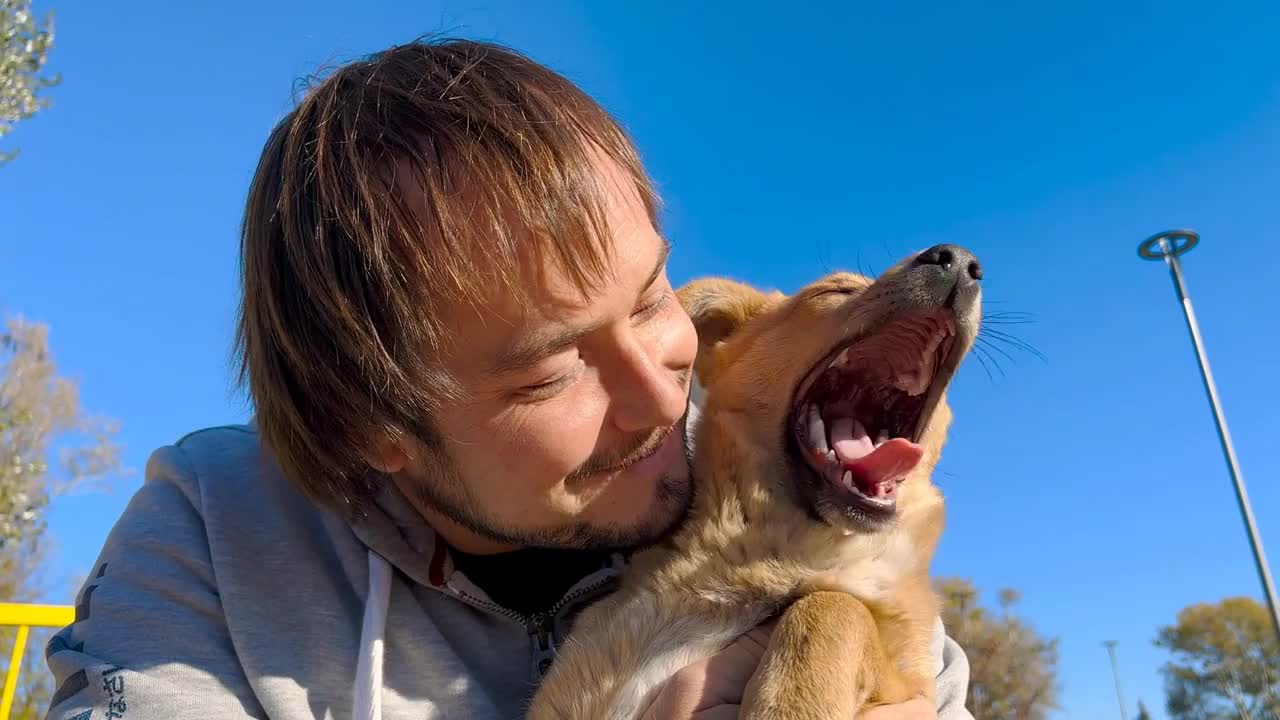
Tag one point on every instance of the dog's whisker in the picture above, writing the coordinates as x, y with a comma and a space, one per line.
992, 335
987, 360
983, 363
1010, 317
859, 264
888, 254
986, 342
1017, 342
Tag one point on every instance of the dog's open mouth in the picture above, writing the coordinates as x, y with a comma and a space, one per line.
858, 414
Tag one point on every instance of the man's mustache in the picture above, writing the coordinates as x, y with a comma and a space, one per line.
636, 449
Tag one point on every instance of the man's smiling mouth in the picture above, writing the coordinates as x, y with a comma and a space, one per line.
647, 449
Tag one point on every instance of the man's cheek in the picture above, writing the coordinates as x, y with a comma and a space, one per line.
554, 448
574, 428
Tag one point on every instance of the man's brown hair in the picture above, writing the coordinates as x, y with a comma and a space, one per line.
402, 183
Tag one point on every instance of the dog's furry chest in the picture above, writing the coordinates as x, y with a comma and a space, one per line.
870, 577
631, 643
624, 649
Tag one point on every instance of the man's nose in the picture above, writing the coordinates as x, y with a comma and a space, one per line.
648, 393
955, 262
656, 399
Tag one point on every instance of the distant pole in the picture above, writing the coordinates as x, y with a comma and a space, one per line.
1168, 246
1115, 671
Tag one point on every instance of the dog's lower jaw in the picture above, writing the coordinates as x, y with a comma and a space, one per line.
847, 520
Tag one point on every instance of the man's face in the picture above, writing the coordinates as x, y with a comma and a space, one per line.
573, 433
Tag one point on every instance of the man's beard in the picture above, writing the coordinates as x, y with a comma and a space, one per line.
446, 493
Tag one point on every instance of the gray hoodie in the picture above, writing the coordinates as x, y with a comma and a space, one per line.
223, 592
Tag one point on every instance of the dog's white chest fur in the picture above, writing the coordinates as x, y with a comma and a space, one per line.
872, 575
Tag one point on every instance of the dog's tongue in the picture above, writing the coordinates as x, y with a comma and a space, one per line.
874, 468
886, 464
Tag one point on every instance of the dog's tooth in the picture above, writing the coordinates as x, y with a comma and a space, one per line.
859, 431
924, 380
841, 429
915, 381
831, 457
882, 438
842, 358
817, 431
848, 481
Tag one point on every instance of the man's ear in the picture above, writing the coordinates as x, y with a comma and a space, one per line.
387, 457
718, 308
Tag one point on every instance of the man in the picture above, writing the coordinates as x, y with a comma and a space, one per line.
471, 380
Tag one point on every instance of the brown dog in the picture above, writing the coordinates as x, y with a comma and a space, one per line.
824, 417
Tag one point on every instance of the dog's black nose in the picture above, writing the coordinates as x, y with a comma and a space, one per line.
954, 260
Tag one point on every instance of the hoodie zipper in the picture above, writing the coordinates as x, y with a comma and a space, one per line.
543, 642
540, 626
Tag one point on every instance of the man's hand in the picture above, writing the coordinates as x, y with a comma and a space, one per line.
918, 709
712, 689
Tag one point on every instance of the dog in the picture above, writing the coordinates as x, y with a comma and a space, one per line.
825, 414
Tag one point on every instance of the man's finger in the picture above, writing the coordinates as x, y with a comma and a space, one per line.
917, 709
724, 712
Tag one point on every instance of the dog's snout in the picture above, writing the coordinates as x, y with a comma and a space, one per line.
944, 276
952, 259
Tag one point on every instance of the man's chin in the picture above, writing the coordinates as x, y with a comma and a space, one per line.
667, 509
671, 507
664, 491
665, 497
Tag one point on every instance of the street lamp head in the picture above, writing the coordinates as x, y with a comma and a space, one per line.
1170, 243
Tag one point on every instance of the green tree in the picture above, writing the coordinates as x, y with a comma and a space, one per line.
1225, 664
1142, 712
48, 446
1012, 668
24, 49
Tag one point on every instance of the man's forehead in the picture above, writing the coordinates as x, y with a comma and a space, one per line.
538, 272
541, 293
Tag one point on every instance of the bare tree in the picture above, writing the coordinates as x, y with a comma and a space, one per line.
48, 446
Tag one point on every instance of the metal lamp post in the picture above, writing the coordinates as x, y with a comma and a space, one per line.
1167, 246
1115, 671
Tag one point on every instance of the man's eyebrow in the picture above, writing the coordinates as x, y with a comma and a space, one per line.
532, 348
664, 253
529, 350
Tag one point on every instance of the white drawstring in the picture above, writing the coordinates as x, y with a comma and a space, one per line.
367, 703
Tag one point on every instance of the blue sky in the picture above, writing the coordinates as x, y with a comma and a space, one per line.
787, 140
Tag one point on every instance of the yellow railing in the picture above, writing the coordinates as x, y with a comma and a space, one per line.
25, 617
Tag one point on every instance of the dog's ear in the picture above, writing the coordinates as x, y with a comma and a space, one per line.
718, 308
